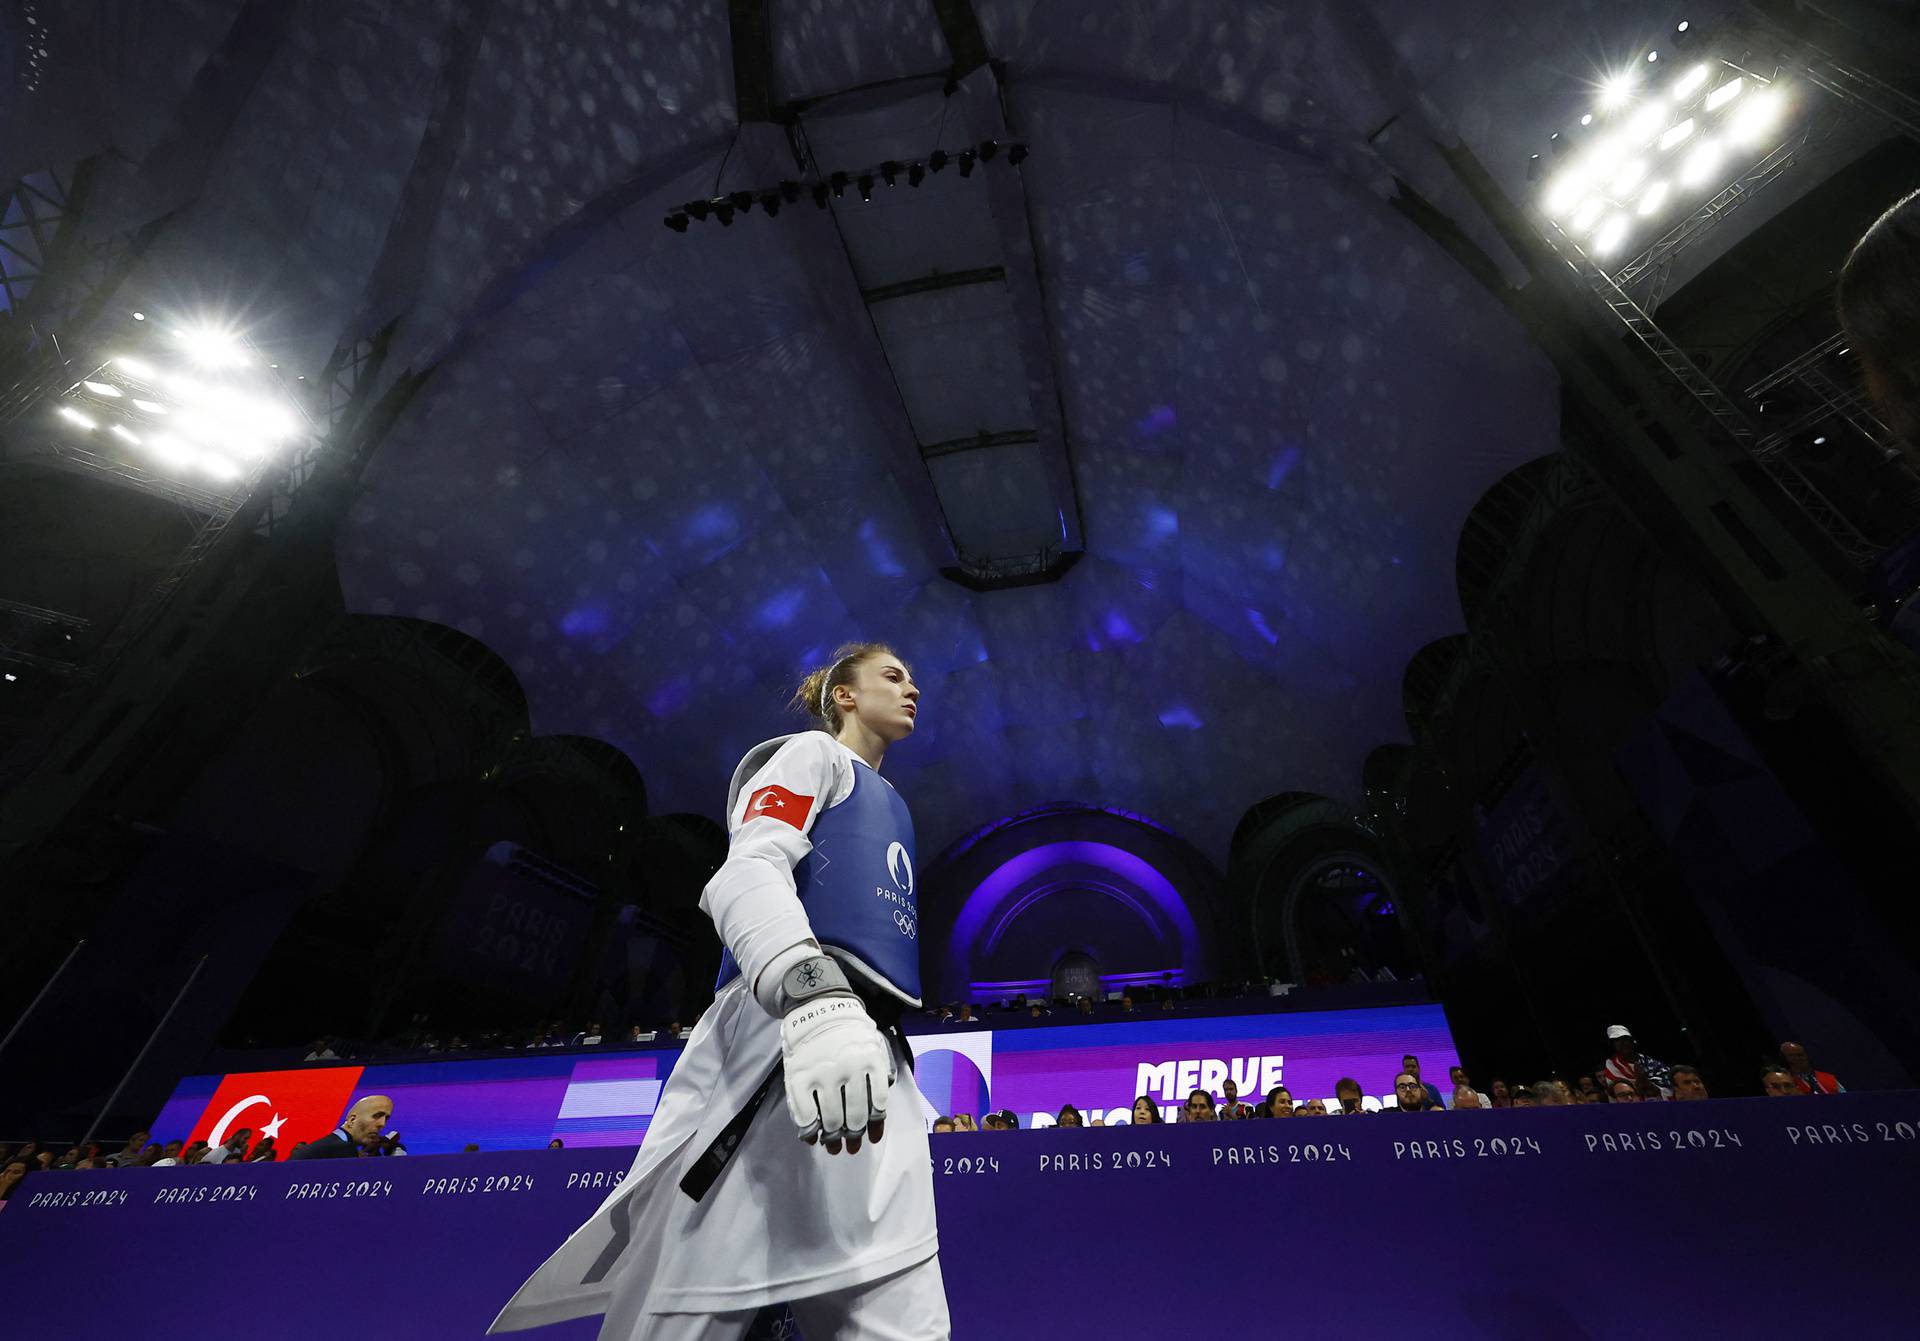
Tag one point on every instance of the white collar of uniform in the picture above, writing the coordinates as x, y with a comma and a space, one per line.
854, 755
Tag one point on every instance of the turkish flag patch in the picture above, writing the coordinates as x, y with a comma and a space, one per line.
776, 802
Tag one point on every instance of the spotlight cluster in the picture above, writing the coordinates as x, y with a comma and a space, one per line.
34, 43
199, 405
833, 186
1654, 140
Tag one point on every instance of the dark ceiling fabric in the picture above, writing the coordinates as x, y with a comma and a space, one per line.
648, 482
646, 470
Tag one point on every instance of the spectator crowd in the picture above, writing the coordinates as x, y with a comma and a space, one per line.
1626, 1076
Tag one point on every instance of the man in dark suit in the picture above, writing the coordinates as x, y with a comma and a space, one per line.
359, 1130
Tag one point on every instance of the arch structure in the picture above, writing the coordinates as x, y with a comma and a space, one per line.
1094, 898
1314, 894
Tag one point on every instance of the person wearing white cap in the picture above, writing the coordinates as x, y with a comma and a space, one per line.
1628, 1063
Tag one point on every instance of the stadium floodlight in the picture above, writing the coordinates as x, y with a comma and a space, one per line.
1689, 83
1757, 117
1628, 177
125, 434
1702, 162
1725, 94
1653, 198
1676, 134
74, 417
202, 429
1612, 233
107, 389
1587, 215
1605, 155
1617, 91
211, 347
171, 450
149, 406
133, 367
1646, 123
270, 421
1567, 189
1586, 118
212, 463
185, 387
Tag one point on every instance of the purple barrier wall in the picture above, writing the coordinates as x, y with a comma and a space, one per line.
1733, 1217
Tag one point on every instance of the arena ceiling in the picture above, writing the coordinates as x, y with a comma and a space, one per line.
1237, 401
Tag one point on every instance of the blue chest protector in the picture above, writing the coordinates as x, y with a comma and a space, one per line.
857, 886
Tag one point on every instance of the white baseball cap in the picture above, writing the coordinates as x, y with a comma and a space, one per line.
1618, 1031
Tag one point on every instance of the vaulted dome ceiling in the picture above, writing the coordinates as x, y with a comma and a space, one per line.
1236, 402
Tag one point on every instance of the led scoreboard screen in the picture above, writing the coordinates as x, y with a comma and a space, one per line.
609, 1097
1101, 1068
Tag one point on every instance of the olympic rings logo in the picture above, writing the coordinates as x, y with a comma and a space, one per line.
904, 921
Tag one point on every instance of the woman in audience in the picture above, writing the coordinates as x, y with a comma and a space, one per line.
1069, 1116
1879, 300
1199, 1108
1145, 1111
1498, 1092
10, 1176
1279, 1103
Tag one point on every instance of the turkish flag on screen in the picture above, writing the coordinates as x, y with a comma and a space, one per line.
776, 802
294, 1106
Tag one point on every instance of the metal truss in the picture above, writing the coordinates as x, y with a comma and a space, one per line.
1857, 88
31, 215
990, 572
349, 374
1856, 98
1811, 372
52, 279
203, 502
24, 628
1856, 101
1731, 417
1650, 272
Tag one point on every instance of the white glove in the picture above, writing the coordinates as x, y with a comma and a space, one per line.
838, 1064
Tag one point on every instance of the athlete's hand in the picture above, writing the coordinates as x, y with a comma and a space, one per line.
838, 1068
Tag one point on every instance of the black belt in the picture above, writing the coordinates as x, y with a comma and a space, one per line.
699, 1179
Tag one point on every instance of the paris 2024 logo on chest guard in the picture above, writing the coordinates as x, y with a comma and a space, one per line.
900, 871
